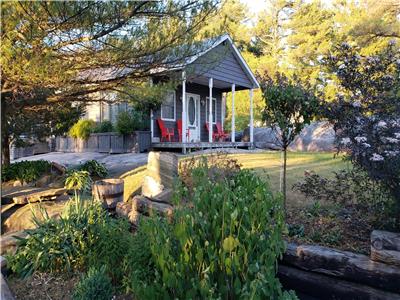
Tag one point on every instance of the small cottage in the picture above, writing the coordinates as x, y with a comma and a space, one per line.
187, 118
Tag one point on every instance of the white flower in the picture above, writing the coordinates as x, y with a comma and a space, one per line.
376, 157
366, 145
392, 140
391, 153
345, 141
356, 104
342, 66
360, 139
397, 135
382, 124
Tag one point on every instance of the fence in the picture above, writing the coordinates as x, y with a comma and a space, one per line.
108, 142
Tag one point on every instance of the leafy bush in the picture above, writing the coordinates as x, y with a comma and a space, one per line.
105, 126
60, 245
129, 121
25, 171
94, 168
95, 285
224, 244
82, 129
350, 187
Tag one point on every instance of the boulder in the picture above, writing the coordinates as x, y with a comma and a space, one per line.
21, 218
318, 136
8, 242
264, 138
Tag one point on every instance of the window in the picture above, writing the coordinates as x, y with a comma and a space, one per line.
168, 107
214, 109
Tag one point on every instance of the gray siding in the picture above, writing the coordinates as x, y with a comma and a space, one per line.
201, 90
220, 63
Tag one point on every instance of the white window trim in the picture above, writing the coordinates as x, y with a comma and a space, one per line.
214, 109
168, 119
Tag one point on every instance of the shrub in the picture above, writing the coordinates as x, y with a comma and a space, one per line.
351, 187
95, 285
59, 245
25, 171
129, 121
224, 244
94, 168
82, 129
105, 126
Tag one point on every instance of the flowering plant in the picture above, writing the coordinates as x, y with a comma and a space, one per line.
366, 112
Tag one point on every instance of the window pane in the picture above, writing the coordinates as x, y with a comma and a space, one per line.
167, 107
214, 109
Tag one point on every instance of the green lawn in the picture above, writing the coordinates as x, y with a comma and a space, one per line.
267, 165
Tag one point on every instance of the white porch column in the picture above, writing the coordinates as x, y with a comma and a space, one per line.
184, 125
233, 114
251, 118
151, 124
210, 121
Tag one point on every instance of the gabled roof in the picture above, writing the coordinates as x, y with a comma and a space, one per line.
211, 44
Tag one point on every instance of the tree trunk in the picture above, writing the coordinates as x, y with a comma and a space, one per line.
5, 150
284, 177
5, 138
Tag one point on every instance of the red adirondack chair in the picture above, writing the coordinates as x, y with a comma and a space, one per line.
179, 125
166, 133
214, 134
221, 133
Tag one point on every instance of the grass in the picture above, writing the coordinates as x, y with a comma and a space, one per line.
268, 166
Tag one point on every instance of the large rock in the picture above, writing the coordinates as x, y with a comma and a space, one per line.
318, 136
21, 218
264, 138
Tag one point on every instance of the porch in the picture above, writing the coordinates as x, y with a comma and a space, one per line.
199, 145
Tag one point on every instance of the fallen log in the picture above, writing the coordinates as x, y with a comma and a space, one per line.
44, 195
148, 207
342, 264
326, 287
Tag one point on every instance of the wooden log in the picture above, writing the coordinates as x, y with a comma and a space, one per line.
108, 192
326, 287
385, 240
148, 207
389, 257
44, 195
343, 264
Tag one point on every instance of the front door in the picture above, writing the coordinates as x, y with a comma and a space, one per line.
193, 116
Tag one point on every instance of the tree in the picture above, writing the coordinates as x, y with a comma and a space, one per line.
289, 106
76, 50
366, 112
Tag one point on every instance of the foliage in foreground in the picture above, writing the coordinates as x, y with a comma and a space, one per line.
94, 285
25, 171
224, 244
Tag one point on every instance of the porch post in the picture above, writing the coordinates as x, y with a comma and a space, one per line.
151, 124
233, 114
251, 118
210, 123
184, 125
151, 116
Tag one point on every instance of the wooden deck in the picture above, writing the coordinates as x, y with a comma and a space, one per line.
199, 145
